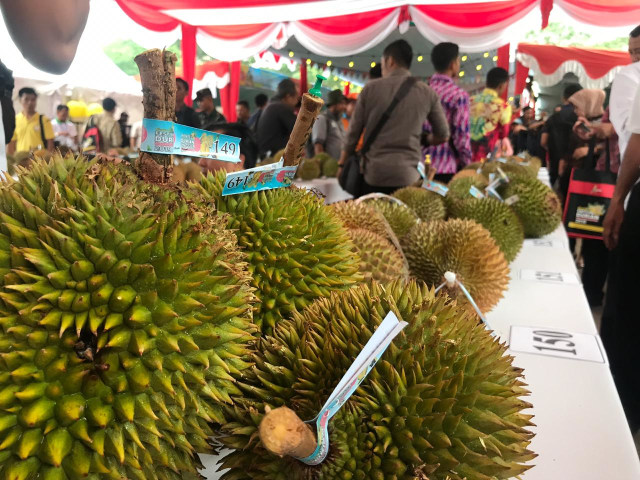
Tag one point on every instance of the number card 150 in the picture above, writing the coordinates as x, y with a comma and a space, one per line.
557, 343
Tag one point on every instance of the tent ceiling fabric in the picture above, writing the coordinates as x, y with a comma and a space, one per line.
595, 68
345, 27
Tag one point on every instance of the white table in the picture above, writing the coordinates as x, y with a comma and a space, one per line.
581, 430
329, 187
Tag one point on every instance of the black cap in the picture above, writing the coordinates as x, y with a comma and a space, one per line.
335, 97
205, 92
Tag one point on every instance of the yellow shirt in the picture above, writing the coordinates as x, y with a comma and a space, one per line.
27, 135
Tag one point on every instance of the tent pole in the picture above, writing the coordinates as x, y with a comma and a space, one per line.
304, 83
188, 58
504, 62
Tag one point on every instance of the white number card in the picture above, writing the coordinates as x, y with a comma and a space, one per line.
544, 243
557, 343
549, 277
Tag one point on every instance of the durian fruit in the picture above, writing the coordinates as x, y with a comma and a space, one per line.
399, 216
186, 172
360, 215
537, 206
380, 259
497, 217
443, 403
309, 169
459, 188
465, 172
428, 205
125, 314
475, 166
297, 248
322, 157
510, 169
330, 167
463, 247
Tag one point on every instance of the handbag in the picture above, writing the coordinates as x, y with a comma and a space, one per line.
352, 177
589, 195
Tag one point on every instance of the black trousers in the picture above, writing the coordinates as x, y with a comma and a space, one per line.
620, 329
443, 177
596, 267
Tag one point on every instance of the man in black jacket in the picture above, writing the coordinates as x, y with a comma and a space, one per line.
277, 120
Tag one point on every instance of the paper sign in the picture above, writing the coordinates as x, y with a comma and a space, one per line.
501, 160
160, 136
436, 187
422, 170
544, 243
512, 199
549, 277
358, 371
557, 343
475, 192
267, 177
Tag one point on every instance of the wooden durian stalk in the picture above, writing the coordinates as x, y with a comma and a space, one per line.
309, 110
283, 433
158, 78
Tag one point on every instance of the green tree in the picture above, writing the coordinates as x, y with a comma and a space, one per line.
567, 36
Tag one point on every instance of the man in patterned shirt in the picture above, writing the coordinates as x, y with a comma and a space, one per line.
490, 117
448, 158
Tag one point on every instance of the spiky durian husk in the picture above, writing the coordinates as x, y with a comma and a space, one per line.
538, 207
297, 248
497, 217
428, 205
463, 247
509, 168
124, 313
330, 167
459, 188
465, 172
361, 215
380, 260
399, 217
309, 169
444, 401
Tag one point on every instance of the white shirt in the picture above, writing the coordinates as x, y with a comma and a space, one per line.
66, 127
136, 132
623, 91
634, 119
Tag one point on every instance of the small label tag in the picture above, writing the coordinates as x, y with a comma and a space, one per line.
436, 187
421, 170
557, 343
267, 177
475, 192
358, 371
512, 199
501, 160
549, 277
544, 243
160, 136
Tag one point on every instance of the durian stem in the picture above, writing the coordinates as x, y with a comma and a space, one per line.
157, 75
309, 110
283, 433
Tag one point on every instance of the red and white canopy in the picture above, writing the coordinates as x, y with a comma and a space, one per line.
595, 68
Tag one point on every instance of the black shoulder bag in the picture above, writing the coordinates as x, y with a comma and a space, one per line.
352, 177
42, 135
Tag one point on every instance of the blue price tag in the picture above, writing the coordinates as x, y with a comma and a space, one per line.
436, 187
475, 192
160, 136
358, 371
267, 177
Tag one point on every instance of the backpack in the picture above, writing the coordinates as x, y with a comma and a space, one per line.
92, 139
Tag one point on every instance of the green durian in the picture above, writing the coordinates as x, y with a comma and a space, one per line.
537, 205
355, 215
380, 259
125, 314
459, 187
428, 205
330, 167
463, 247
444, 402
399, 216
309, 169
509, 168
297, 248
497, 217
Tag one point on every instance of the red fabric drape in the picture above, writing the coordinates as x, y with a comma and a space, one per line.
347, 89
188, 58
148, 15
504, 61
475, 15
304, 82
522, 73
230, 94
235, 32
545, 9
596, 62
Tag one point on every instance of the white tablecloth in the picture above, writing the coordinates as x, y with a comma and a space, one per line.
581, 430
329, 187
